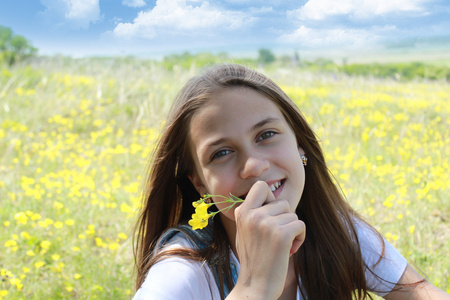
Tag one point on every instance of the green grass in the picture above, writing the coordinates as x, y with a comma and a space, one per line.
75, 136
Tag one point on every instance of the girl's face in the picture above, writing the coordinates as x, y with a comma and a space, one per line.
241, 137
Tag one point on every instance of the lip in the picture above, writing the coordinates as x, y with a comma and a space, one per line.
277, 192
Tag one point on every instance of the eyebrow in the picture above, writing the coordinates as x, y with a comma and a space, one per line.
263, 122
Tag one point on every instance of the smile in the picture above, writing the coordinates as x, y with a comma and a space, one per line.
275, 186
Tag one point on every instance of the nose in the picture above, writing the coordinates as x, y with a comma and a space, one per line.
254, 166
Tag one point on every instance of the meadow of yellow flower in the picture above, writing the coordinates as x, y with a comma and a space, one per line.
74, 143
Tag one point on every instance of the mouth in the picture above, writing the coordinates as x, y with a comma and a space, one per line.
276, 185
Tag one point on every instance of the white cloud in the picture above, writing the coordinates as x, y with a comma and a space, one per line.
350, 24
77, 13
133, 3
181, 17
344, 38
321, 9
261, 10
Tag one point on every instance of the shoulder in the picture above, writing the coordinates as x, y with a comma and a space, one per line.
384, 264
187, 237
176, 277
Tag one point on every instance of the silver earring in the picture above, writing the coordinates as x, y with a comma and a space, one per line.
304, 159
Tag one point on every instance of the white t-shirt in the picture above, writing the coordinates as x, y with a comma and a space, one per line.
177, 278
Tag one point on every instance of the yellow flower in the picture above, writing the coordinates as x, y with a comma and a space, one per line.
113, 246
122, 236
198, 223
21, 218
10, 243
200, 217
58, 224
56, 257
45, 244
25, 235
39, 264
202, 210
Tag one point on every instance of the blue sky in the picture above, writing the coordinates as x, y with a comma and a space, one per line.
155, 28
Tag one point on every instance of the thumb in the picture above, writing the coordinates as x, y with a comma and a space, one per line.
295, 246
297, 242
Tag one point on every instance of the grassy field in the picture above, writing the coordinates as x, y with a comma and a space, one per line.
74, 142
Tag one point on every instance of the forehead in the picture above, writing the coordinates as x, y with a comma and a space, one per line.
236, 103
232, 112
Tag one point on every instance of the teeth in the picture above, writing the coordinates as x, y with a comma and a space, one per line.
275, 186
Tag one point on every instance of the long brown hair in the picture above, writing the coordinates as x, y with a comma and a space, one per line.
329, 261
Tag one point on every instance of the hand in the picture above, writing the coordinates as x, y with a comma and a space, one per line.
268, 233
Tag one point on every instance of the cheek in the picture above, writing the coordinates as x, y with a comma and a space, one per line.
219, 181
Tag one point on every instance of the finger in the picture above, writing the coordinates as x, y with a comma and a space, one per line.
276, 207
296, 244
282, 219
258, 194
299, 239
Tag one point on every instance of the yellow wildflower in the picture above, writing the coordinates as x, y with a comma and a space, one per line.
113, 246
56, 257
202, 211
45, 244
21, 218
200, 217
198, 223
39, 264
122, 236
58, 224
10, 243
25, 235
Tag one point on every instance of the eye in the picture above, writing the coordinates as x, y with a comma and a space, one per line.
220, 154
266, 135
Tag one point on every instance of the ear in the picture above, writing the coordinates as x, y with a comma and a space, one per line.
198, 184
301, 151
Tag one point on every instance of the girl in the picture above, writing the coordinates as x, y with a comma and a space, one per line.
234, 131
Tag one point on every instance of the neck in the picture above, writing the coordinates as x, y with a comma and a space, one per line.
290, 286
230, 229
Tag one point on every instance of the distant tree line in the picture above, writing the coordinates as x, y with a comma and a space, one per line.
266, 58
402, 71
14, 48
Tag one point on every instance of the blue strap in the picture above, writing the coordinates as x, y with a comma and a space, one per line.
201, 240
